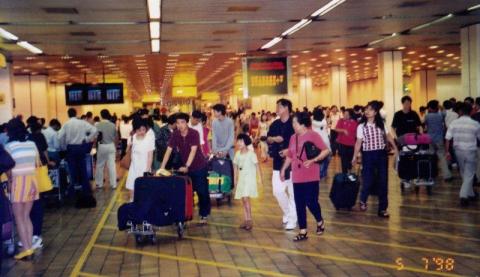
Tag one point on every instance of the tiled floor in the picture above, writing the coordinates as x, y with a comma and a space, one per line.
424, 236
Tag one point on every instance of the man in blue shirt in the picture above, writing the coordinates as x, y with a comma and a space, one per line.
435, 125
278, 138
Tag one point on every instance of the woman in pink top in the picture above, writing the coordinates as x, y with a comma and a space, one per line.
305, 173
347, 132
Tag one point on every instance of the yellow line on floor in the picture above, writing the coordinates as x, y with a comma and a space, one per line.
90, 274
307, 254
397, 203
332, 237
375, 215
83, 257
442, 235
191, 260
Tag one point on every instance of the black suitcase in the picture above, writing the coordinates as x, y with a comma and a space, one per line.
344, 191
160, 201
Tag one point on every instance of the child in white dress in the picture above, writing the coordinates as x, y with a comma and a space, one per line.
246, 171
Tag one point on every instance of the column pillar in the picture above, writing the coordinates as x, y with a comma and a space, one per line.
305, 91
337, 85
390, 81
424, 87
470, 51
6, 93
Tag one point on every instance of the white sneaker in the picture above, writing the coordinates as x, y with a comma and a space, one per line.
37, 242
290, 226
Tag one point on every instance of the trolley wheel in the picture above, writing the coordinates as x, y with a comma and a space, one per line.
229, 200
152, 239
219, 201
417, 189
429, 190
402, 187
139, 240
180, 229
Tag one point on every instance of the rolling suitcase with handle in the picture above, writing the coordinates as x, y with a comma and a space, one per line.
344, 191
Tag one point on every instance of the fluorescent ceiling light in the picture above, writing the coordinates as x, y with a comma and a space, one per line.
328, 7
473, 8
302, 23
154, 30
155, 43
271, 43
428, 24
154, 9
7, 35
29, 47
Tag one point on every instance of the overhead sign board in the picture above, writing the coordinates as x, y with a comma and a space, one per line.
266, 76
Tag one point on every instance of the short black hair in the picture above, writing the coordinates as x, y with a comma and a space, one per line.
468, 99
477, 101
96, 118
406, 98
139, 122
55, 123
105, 114
171, 119
246, 139
303, 118
464, 108
16, 130
433, 105
164, 118
32, 120
220, 108
72, 113
197, 114
423, 108
89, 115
318, 114
447, 104
182, 116
285, 103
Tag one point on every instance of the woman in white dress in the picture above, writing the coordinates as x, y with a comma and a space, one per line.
142, 147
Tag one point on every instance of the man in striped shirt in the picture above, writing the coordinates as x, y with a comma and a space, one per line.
465, 132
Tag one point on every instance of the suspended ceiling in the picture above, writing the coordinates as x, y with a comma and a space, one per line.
112, 36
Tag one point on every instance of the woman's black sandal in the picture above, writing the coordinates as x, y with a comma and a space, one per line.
321, 228
300, 237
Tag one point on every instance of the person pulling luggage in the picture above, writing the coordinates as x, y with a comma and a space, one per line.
372, 140
187, 142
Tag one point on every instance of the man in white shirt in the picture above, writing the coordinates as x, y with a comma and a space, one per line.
196, 124
73, 137
51, 136
125, 130
465, 132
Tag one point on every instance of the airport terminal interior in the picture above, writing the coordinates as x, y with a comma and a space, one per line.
163, 57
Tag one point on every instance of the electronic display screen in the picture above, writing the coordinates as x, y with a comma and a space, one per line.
86, 94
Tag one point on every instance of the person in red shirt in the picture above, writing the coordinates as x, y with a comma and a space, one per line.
347, 131
305, 173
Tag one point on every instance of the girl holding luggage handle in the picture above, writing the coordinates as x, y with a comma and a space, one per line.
372, 139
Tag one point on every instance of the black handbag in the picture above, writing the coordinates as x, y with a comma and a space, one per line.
310, 149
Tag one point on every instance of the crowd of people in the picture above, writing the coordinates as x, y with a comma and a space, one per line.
299, 143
